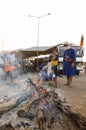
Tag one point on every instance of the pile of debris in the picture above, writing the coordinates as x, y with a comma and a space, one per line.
38, 108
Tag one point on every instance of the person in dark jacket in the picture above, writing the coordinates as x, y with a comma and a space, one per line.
43, 70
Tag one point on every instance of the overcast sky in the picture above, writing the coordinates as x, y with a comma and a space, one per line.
67, 22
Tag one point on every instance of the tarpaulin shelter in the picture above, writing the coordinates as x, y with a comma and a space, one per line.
32, 52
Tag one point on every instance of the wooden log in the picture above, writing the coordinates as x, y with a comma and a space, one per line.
24, 109
13, 101
5, 106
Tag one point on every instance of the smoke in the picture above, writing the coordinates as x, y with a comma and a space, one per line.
11, 67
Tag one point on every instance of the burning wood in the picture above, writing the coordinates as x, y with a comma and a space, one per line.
48, 112
24, 109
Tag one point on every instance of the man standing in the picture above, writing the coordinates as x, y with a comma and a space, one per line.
69, 59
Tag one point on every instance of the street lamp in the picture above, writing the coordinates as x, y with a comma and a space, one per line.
38, 17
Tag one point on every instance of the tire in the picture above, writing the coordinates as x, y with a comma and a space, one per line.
77, 72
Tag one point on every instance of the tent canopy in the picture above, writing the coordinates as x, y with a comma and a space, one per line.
32, 52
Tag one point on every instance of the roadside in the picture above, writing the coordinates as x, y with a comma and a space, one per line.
76, 96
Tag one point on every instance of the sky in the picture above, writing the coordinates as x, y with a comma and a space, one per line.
67, 22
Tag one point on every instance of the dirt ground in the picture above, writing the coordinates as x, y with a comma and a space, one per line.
75, 96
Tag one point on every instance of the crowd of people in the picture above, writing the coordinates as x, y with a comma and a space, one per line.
48, 69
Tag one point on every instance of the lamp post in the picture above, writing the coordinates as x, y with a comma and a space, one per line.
38, 18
